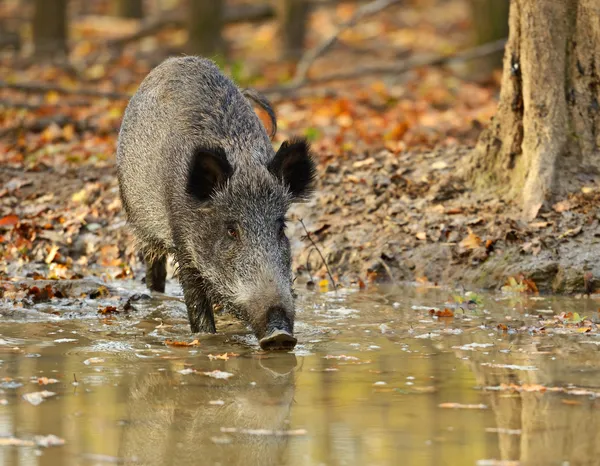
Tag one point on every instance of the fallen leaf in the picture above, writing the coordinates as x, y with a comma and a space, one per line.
9, 220
15, 442
89, 361
51, 254
462, 406
471, 241
279, 433
562, 206
108, 310
35, 398
48, 441
443, 313
181, 343
217, 374
46, 381
224, 356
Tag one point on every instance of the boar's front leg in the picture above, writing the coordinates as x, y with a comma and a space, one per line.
199, 306
156, 271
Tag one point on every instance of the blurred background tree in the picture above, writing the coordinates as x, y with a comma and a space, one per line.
490, 23
50, 28
128, 8
205, 25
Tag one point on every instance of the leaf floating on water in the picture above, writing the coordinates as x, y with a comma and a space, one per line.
514, 367
472, 346
462, 406
278, 433
501, 430
224, 356
216, 402
89, 361
181, 343
48, 441
187, 371
217, 374
46, 381
15, 442
341, 357
35, 398
444, 313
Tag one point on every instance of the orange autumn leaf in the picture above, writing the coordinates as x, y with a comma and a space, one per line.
471, 241
224, 356
443, 313
9, 220
108, 310
181, 343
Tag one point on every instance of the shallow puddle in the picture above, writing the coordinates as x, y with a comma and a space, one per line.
375, 380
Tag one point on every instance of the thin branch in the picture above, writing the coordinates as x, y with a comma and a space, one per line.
310, 57
43, 87
239, 14
397, 68
320, 254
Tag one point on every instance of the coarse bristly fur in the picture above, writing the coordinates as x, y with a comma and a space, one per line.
199, 179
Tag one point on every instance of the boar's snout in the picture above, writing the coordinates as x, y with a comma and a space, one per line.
279, 334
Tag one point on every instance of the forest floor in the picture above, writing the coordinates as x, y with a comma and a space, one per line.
390, 203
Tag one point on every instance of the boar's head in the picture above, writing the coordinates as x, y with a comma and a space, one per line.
236, 237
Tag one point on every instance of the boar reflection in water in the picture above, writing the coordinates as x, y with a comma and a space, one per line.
174, 424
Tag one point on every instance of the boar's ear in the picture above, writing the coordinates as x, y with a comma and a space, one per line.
209, 169
294, 164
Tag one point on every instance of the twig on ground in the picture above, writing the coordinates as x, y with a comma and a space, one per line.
310, 57
320, 254
308, 269
43, 87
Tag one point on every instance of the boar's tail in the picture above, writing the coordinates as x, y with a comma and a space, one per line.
263, 103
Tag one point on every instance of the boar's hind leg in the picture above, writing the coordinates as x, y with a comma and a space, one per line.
198, 304
156, 271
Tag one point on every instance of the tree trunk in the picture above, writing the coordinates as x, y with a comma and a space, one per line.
128, 8
490, 22
50, 28
545, 138
292, 16
205, 23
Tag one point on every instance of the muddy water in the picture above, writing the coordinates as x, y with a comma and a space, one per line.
367, 385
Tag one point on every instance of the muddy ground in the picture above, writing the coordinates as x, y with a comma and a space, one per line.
379, 217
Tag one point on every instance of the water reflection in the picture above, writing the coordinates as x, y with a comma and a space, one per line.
364, 388
169, 423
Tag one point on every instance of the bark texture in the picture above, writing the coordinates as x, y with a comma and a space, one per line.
205, 24
50, 28
293, 16
545, 138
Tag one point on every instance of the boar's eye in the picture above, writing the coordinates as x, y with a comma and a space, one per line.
232, 232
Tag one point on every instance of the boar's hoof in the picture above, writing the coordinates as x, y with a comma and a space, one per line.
278, 340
